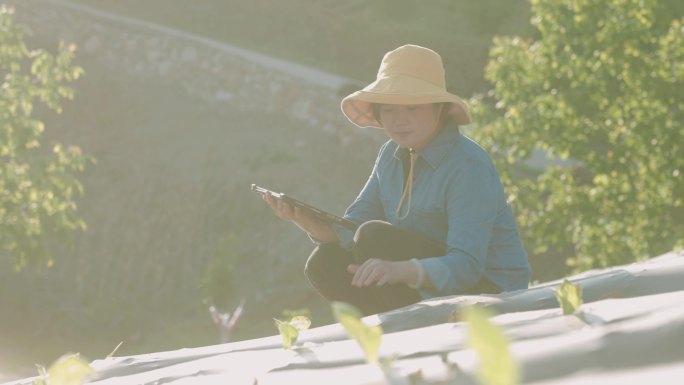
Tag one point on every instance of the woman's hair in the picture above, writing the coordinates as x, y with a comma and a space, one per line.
444, 117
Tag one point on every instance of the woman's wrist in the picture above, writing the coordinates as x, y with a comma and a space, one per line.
328, 234
319, 230
419, 280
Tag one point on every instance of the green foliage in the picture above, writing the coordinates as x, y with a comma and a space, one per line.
497, 365
368, 337
569, 297
70, 369
601, 89
289, 330
37, 185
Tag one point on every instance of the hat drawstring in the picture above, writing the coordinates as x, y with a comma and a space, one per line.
408, 188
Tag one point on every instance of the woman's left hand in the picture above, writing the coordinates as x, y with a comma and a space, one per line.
379, 272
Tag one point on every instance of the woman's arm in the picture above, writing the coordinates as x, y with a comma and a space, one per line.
472, 206
367, 205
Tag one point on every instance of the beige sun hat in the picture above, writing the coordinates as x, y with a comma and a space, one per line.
410, 74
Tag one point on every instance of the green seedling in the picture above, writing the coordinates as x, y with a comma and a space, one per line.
70, 369
569, 297
368, 337
289, 330
497, 364
110, 355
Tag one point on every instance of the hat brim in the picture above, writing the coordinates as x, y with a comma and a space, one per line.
357, 107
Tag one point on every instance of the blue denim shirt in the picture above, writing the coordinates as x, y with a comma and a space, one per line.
458, 199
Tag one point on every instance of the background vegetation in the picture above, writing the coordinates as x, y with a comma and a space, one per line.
601, 89
37, 185
173, 227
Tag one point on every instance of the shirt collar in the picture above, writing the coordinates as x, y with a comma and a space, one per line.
439, 146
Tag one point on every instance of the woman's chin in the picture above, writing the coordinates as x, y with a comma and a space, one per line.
403, 142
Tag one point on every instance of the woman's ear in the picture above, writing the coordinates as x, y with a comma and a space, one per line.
443, 111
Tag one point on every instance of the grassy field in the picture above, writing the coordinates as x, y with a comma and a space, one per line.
168, 199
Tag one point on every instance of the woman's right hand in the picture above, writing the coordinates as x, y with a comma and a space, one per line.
316, 228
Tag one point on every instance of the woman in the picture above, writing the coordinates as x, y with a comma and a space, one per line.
433, 217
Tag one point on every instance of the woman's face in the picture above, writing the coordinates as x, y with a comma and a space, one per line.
410, 125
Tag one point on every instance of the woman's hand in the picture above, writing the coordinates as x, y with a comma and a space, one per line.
316, 228
379, 272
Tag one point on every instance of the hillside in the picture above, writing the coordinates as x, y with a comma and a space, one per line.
180, 127
168, 200
346, 37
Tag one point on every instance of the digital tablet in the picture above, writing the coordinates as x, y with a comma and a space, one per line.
315, 211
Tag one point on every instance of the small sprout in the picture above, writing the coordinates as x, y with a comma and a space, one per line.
368, 337
42, 376
110, 355
569, 297
70, 369
497, 364
289, 330
300, 322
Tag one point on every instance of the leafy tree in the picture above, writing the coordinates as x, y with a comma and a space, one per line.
600, 88
37, 185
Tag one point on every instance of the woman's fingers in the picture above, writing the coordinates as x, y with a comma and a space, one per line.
361, 274
271, 202
373, 271
316, 228
280, 208
382, 279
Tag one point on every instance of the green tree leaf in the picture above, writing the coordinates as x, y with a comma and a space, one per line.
497, 365
38, 189
569, 297
598, 94
368, 337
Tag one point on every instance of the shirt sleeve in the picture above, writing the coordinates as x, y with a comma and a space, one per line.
472, 205
366, 206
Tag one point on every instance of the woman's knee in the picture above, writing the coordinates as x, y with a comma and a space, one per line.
371, 240
325, 258
380, 239
370, 232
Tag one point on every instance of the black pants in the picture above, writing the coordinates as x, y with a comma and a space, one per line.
326, 267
